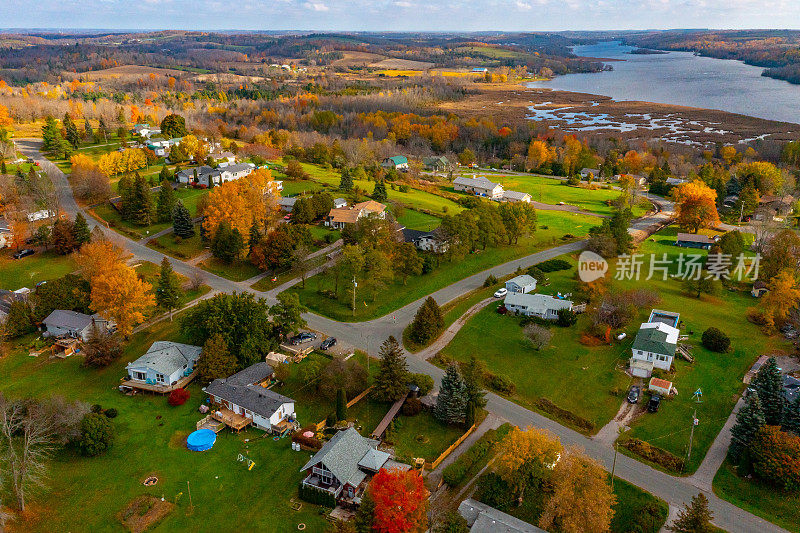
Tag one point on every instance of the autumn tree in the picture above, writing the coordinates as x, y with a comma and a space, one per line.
762, 175
775, 456
526, 458
780, 252
216, 361
582, 498
783, 295
101, 349
241, 202
173, 126
695, 205
399, 502
62, 237
694, 518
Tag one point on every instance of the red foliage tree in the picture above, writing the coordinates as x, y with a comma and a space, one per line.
178, 397
776, 457
400, 501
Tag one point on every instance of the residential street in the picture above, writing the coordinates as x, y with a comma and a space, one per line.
369, 335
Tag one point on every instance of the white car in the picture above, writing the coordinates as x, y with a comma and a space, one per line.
501, 292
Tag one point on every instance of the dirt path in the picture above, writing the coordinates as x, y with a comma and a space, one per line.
445, 338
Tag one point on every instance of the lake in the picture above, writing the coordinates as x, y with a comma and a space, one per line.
681, 78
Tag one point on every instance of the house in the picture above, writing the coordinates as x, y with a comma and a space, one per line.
244, 398
339, 203
73, 324
593, 172
6, 235
223, 159
759, 289
660, 386
234, 172
653, 347
482, 518
730, 201
164, 367
162, 146
338, 218
480, 70
675, 181
521, 284
286, 203
539, 305
690, 240
436, 163
345, 464
791, 388
194, 175
479, 186
205, 175
427, 241
397, 162
42, 214
514, 196
145, 130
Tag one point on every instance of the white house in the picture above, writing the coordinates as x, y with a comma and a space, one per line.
539, 305
514, 196
339, 203
654, 347
208, 176
235, 172
6, 235
165, 364
145, 130
73, 324
522, 284
427, 241
594, 172
42, 214
480, 186
246, 394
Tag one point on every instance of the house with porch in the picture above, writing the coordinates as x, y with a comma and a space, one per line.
538, 305
66, 323
345, 465
397, 162
164, 367
521, 284
479, 186
245, 398
655, 344
339, 217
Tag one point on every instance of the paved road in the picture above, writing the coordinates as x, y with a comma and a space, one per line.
369, 335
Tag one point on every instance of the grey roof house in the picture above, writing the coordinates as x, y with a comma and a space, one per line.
539, 305
166, 366
482, 518
523, 283
73, 324
243, 399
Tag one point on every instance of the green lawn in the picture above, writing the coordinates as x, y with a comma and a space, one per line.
422, 436
295, 187
28, 271
150, 272
762, 500
237, 271
180, 248
417, 220
150, 441
552, 226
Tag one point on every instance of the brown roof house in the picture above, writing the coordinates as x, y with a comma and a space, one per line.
339, 217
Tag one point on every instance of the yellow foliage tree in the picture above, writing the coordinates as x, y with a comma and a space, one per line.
695, 205
539, 153
83, 161
241, 202
582, 498
5, 118
783, 295
527, 456
124, 162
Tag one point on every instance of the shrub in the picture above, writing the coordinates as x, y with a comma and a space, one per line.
111, 413
316, 496
330, 420
96, 408
554, 265
549, 407
178, 397
97, 435
412, 407
500, 383
716, 340
495, 492
455, 472
423, 381
566, 318
775, 457
654, 454
490, 280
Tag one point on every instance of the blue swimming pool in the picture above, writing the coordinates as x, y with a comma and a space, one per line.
201, 440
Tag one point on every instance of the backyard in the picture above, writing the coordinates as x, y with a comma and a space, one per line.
28, 271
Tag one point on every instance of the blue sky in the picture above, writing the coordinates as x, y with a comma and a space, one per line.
401, 15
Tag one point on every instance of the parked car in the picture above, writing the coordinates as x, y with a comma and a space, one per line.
303, 337
25, 252
654, 403
633, 394
501, 293
330, 342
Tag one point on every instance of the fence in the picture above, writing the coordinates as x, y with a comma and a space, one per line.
351, 403
448, 451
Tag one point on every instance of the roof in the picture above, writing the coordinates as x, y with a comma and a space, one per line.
370, 205
238, 167
205, 169
515, 195
435, 159
287, 201
791, 388
69, 319
398, 159
245, 390
479, 181
592, 170
374, 460
342, 454
5, 226
656, 337
485, 519
523, 280
661, 383
691, 237
412, 235
344, 215
165, 357
541, 302
669, 318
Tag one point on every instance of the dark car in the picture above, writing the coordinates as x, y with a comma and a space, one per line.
633, 394
330, 342
654, 403
303, 337
23, 253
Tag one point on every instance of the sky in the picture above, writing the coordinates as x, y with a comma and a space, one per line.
400, 15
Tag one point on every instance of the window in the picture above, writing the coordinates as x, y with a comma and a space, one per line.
141, 376
160, 378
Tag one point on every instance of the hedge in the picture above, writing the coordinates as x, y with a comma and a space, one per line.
316, 496
554, 265
550, 408
654, 454
455, 472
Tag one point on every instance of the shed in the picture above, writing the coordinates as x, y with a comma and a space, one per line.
661, 386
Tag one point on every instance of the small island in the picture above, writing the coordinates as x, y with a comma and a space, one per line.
647, 51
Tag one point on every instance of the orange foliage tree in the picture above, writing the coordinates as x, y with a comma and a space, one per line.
776, 457
783, 295
400, 501
695, 205
242, 202
527, 456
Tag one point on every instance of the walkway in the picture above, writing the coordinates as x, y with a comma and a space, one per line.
448, 334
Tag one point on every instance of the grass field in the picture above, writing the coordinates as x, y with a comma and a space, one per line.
150, 440
239, 270
762, 500
422, 436
28, 271
182, 249
416, 220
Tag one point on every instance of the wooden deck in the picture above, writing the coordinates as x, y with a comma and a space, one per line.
233, 420
159, 389
381, 429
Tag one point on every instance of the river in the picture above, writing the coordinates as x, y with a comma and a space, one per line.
681, 78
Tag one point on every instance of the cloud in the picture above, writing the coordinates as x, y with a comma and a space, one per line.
316, 6
523, 6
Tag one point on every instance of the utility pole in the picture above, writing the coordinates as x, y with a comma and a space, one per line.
354, 294
691, 436
741, 212
614, 465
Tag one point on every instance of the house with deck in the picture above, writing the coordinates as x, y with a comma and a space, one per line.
479, 186
65, 323
521, 284
397, 162
339, 217
655, 343
345, 465
164, 367
245, 399
538, 305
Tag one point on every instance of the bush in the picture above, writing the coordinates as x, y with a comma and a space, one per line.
495, 492
566, 318
554, 265
316, 496
97, 435
655, 454
309, 442
111, 413
178, 397
412, 407
500, 383
549, 407
423, 381
775, 457
330, 420
96, 408
490, 280
716, 340
455, 472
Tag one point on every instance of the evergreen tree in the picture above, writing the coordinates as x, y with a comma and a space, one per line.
391, 381
469, 418
341, 405
428, 322
451, 404
182, 223
168, 291
142, 203
173, 126
164, 174
80, 231
102, 129
473, 372
216, 361
88, 133
3, 169
379, 192
254, 237
346, 184
791, 418
227, 243
695, 518
749, 420
165, 202
50, 135
769, 385
71, 131
125, 189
